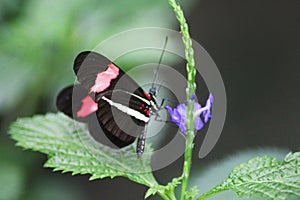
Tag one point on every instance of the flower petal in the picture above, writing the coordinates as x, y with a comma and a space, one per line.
197, 106
207, 112
179, 117
169, 109
183, 128
175, 115
198, 123
181, 108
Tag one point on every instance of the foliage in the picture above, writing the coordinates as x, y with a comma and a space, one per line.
58, 137
168, 189
263, 176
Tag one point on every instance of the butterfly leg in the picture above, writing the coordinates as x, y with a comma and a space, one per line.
161, 107
159, 119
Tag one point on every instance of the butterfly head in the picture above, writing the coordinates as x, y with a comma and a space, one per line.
153, 92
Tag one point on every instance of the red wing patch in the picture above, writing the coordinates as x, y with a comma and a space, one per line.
104, 78
142, 106
88, 107
147, 96
147, 112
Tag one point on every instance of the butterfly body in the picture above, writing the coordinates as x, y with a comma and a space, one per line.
122, 108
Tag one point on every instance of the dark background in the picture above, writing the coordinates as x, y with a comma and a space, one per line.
255, 45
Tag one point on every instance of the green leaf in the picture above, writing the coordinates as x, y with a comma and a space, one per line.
70, 148
264, 176
168, 189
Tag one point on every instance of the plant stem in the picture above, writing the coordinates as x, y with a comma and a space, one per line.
164, 196
172, 195
187, 164
167, 195
191, 87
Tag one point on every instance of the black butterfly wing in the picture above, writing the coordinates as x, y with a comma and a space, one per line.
121, 116
120, 126
69, 100
64, 101
89, 64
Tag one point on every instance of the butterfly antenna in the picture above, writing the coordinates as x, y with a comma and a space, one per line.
159, 62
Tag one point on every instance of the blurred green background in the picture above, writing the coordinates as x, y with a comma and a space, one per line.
254, 43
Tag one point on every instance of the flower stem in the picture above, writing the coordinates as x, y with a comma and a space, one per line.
172, 195
164, 196
187, 164
167, 195
191, 87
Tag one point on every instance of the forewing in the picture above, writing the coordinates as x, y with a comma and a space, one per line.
89, 64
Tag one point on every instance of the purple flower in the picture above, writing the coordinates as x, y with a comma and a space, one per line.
207, 112
178, 114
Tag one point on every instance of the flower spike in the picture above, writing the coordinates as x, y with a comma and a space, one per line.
178, 114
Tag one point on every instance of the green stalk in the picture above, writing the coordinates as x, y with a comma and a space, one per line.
191, 87
167, 195
172, 195
187, 163
164, 196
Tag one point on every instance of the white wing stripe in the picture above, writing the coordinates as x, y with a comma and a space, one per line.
127, 110
137, 96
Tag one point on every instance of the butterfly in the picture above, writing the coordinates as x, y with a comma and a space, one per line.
122, 108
